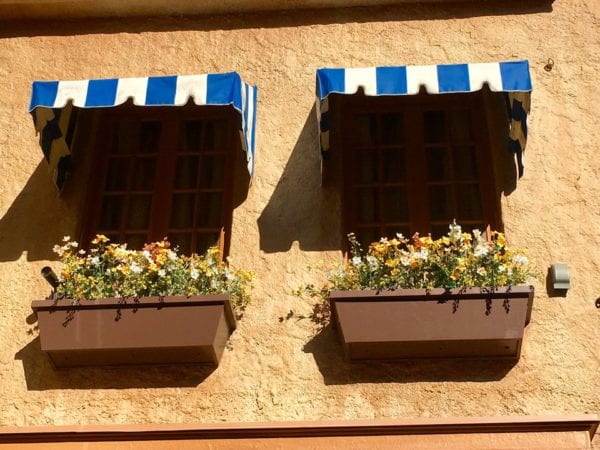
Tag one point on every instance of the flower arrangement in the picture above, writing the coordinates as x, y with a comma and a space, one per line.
112, 270
457, 260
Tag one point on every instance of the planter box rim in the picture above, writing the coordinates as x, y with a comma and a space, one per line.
434, 294
139, 302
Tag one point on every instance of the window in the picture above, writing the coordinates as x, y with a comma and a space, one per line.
413, 164
164, 172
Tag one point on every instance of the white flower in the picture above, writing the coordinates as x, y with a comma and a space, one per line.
501, 268
162, 273
58, 250
135, 268
356, 261
82, 252
520, 259
95, 260
66, 238
372, 261
148, 256
455, 233
400, 236
74, 244
194, 274
405, 260
172, 255
481, 271
481, 250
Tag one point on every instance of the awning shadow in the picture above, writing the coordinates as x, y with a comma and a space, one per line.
273, 19
329, 356
300, 209
40, 375
36, 219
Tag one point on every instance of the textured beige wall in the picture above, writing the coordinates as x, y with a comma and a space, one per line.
280, 369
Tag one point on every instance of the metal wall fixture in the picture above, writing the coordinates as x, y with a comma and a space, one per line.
560, 276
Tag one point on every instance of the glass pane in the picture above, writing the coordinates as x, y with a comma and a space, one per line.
465, 163
367, 205
367, 236
117, 174
434, 126
438, 164
182, 210
440, 203
209, 214
186, 173
136, 241
114, 238
364, 130
139, 212
469, 202
395, 205
366, 166
215, 137
143, 175
391, 232
437, 231
181, 241
125, 138
191, 135
111, 213
394, 165
212, 172
392, 131
150, 137
206, 240
460, 125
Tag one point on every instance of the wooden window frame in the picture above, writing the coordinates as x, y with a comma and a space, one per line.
413, 108
166, 159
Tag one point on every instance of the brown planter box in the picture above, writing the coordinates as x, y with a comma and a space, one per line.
149, 330
416, 323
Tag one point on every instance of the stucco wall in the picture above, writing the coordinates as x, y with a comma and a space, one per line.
280, 368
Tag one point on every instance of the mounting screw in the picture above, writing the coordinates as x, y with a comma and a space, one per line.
549, 65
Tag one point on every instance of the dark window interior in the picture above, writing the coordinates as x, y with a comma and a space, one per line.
414, 164
164, 172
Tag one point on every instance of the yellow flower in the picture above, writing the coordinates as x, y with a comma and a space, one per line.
391, 262
100, 238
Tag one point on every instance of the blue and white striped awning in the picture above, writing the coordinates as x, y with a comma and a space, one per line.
52, 105
510, 77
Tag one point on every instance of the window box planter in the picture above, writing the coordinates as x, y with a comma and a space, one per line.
437, 323
148, 330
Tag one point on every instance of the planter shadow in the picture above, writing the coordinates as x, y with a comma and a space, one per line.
329, 356
40, 375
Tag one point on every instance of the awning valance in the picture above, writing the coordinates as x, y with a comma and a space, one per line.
509, 77
52, 106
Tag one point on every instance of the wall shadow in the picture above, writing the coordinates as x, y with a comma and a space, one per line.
272, 19
328, 354
40, 375
300, 209
36, 219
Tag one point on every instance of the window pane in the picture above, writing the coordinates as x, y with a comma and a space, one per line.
125, 138
191, 135
366, 166
182, 210
150, 137
111, 212
392, 131
469, 202
440, 203
215, 137
364, 130
437, 231
367, 205
143, 175
394, 165
212, 172
438, 164
465, 163
395, 205
434, 126
367, 236
139, 212
181, 241
460, 125
117, 174
209, 214
206, 240
136, 241
186, 173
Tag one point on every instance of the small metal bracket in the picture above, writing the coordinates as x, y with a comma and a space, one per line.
561, 278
